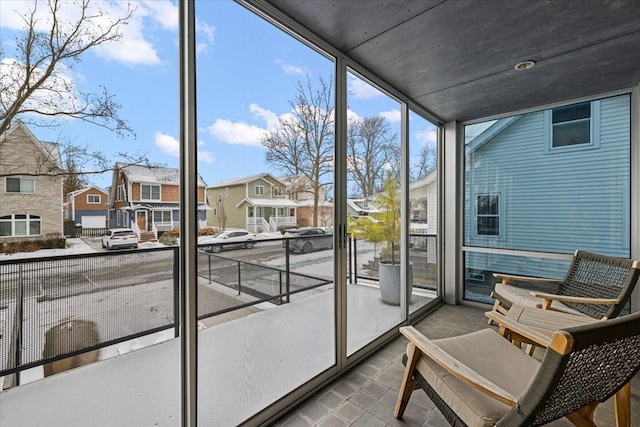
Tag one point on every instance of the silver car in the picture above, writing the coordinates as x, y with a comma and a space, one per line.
120, 238
229, 239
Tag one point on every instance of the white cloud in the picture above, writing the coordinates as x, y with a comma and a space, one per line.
268, 116
58, 92
427, 136
394, 116
361, 89
171, 146
167, 144
237, 132
134, 48
292, 69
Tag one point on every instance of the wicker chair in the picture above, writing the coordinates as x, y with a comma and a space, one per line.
583, 366
595, 285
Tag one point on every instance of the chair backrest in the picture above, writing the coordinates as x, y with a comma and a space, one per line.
600, 276
603, 358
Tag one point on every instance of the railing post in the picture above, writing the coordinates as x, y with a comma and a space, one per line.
287, 271
355, 258
209, 259
18, 328
280, 280
239, 279
349, 260
176, 291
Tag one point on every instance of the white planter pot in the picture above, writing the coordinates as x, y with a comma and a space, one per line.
389, 276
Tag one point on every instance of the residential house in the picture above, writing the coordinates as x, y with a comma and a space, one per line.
148, 198
423, 204
30, 187
300, 190
258, 203
362, 207
88, 207
532, 203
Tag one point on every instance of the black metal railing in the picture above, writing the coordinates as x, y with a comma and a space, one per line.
85, 302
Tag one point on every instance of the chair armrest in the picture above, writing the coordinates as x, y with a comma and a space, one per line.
507, 277
456, 368
548, 298
519, 329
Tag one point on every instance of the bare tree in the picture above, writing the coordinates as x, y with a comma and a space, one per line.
33, 85
303, 142
424, 163
370, 145
73, 181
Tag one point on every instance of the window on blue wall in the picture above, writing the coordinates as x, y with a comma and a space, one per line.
488, 215
531, 200
571, 125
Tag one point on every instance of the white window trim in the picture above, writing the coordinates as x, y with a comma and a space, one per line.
20, 178
255, 190
151, 192
153, 216
94, 195
502, 219
28, 219
594, 130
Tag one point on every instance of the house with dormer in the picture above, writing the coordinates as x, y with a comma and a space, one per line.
147, 199
258, 203
31, 176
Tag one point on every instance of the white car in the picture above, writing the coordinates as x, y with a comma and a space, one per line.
120, 238
229, 239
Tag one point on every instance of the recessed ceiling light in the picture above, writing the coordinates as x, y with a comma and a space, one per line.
524, 65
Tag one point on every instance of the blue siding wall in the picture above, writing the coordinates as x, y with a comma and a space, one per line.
556, 201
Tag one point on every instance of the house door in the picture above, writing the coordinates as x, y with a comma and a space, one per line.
141, 220
259, 212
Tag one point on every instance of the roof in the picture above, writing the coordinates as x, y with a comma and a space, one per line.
308, 202
165, 206
362, 205
82, 190
456, 59
278, 203
431, 177
243, 180
50, 149
154, 174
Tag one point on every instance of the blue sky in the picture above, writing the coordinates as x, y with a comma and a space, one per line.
247, 73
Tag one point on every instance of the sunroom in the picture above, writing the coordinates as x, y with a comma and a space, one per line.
531, 112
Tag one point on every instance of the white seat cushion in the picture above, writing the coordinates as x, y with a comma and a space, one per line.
521, 296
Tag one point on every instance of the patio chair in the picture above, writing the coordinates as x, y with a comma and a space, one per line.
595, 285
583, 366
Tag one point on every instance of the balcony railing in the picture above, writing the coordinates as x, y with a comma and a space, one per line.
71, 306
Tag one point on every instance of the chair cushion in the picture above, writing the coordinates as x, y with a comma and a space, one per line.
488, 353
521, 296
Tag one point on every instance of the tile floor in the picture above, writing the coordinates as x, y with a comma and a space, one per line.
366, 396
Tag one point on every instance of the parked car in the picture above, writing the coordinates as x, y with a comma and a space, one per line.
120, 238
228, 240
308, 239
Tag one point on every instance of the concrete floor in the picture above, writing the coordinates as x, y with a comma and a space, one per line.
366, 396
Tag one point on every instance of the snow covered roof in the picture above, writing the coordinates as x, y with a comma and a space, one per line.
156, 174
362, 206
278, 203
243, 180
303, 203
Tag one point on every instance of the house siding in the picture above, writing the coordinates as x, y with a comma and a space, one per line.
20, 154
545, 211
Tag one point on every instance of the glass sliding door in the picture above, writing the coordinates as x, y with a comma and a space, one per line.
542, 185
423, 210
374, 204
265, 254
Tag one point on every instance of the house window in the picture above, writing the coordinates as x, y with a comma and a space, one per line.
20, 185
120, 194
280, 211
488, 215
259, 190
215, 211
20, 225
571, 125
149, 192
219, 198
162, 217
277, 191
93, 198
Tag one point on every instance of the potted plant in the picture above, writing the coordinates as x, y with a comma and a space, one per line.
389, 271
